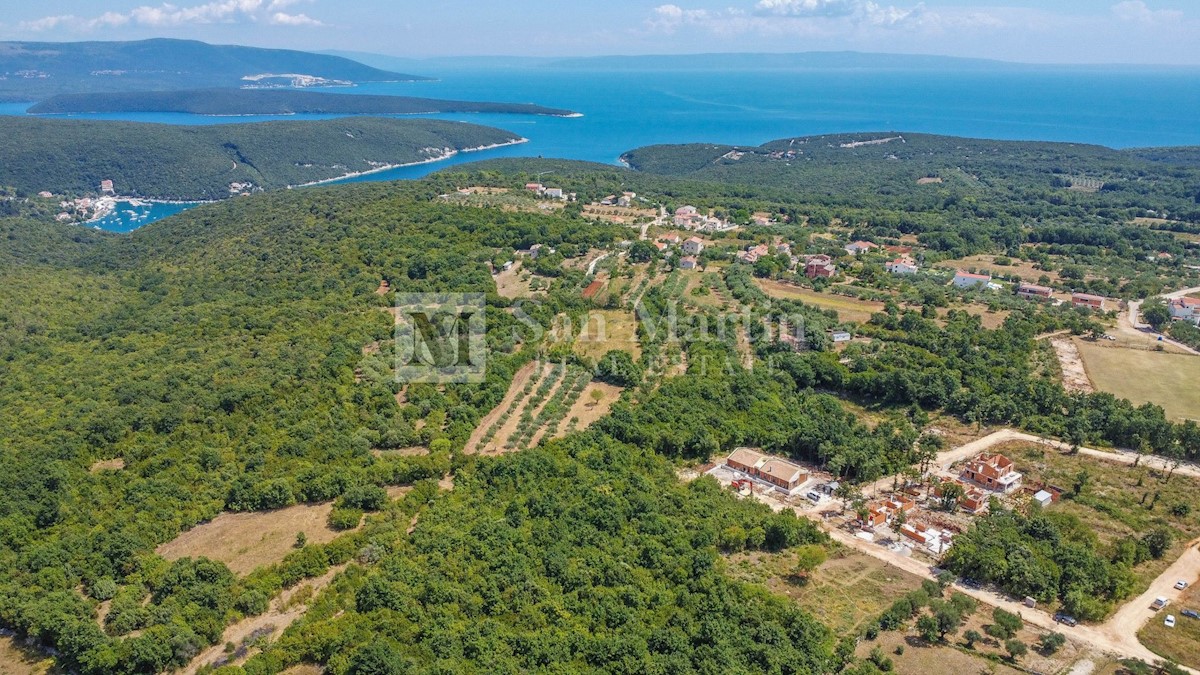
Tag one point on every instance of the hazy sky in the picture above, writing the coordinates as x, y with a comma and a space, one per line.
1059, 31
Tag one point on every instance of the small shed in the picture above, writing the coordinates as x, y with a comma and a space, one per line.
1043, 498
840, 336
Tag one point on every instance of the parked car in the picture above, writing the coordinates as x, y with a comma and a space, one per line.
1180, 585
815, 497
1191, 613
1159, 603
971, 583
1169, 622
1066, 619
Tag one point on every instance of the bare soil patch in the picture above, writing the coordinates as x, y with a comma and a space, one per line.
115, 464
586, 410
1074, 375
514, 282
414, 451
17, 659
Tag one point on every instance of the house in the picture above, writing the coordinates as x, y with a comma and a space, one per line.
932, 538
693, 246
783, 248
840, 336
856, 247
533, 187
992, 472
753, 253
106, 186
902, 265
688, 262
535, 251
1088, 301
661, 246
671, 239
817, 268
777, 471
45, 194
686, 216
1185, 309
1034, 291
968, 280
553, 193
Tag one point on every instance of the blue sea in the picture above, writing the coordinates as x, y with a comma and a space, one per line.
625, 110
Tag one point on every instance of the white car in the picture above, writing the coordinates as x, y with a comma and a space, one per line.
1169, 622
1180, 585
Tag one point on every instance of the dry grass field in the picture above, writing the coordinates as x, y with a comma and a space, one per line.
15, 659
1021, 268
586, 410
1181, 644
607, 330
848, 309
1168, 380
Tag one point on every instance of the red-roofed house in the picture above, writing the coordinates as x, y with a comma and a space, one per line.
902, 265
693, 246
1185, 309
775, 470
1034, 291
1087, 300
856, 247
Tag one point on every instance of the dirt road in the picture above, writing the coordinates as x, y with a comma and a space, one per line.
1074, 376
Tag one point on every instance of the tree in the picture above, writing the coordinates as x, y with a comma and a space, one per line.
597, 396
618, 367
1156, 313
951, 493
808, 558
847, 493
929, 629
1081, 480
378, 657
1158, 541
301, 540
1052, 642
1004, 624
972, 636
1015, 648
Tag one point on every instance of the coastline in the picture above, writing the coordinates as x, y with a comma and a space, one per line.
389, 167
105, 206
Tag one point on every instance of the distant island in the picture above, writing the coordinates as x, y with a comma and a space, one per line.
272, 102
31, 71
194, 163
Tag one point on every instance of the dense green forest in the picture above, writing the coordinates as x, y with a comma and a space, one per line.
159, 161
972, 177
271, 102
78, 67
222, 354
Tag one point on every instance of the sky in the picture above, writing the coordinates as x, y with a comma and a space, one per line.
1037, 31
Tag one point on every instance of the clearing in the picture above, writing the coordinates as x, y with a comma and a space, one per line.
606, 330
514, 282
1024, 269
1074, 376
246, 541
586, 409
116, 464
845, 593
1118, 502
848, 309
17, 659
1166, 379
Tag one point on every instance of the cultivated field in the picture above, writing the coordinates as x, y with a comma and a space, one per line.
587, 409
848, 309
537, 403
1168, 380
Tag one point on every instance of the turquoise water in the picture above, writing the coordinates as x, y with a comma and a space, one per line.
624, 110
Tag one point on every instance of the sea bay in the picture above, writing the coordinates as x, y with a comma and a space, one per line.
623, 110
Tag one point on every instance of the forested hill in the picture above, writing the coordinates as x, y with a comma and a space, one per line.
897, 169
271, 102
202, 162
35, 70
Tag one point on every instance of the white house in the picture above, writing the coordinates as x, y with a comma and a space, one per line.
902, 265
967, 280
693, 246
1185, 309
856, 247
